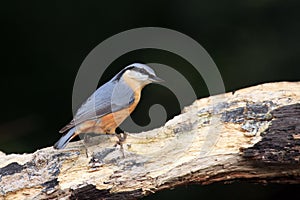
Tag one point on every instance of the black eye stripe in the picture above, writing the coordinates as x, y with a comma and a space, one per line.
142, 71
137, 69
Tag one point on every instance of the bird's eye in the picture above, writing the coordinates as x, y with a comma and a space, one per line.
142, 71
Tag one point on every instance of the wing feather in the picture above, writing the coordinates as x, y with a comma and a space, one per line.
113, 96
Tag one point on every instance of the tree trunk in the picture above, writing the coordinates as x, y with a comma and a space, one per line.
252, 134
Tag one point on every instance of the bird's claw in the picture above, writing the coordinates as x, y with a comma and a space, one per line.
122, 137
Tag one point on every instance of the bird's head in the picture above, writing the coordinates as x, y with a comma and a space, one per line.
139, 75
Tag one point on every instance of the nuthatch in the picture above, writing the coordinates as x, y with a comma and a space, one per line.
110, 104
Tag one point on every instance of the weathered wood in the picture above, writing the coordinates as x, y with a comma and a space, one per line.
251, 135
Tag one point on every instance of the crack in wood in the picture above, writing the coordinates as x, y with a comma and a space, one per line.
91, 192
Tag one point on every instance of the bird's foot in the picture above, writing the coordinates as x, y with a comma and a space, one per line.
122, 137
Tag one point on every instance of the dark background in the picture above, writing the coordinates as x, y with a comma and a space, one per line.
43, 44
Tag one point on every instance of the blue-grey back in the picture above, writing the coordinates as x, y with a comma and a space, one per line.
112, 96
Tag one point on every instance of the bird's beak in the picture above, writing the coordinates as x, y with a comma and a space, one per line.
156, 79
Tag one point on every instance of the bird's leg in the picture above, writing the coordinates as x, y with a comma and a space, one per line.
86, 139
122, 137
86, 152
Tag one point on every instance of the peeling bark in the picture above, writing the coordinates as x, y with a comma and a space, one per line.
251, 135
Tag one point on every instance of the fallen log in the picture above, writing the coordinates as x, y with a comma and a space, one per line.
252, 135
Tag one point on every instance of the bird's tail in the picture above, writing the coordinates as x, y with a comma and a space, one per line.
65, 139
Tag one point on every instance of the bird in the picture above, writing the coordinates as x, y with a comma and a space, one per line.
110, 104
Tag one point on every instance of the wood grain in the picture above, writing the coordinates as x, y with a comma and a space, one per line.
251, 135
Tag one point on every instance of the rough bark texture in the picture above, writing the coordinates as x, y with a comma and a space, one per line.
252, 134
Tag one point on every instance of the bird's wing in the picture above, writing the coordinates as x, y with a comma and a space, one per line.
111, 97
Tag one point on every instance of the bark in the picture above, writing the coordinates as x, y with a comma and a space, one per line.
251, 135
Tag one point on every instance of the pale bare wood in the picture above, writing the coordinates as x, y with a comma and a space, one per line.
226, 137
